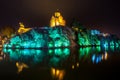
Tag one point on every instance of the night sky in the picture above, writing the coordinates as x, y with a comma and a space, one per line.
104, 14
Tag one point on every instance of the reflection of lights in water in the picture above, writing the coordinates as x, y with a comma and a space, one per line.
65, 51
85, 53
58, 56
98, 58
35, 56
2, 56
105, 56
77, 64
57, 74
105, 45
25, 55
73, 66
20, 66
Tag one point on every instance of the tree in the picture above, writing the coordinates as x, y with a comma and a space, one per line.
7, 31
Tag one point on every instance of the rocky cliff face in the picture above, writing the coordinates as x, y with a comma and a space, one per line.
43, 37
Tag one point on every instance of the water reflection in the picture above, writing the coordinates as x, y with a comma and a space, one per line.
98, 58
57, 74
25, 58
57, 60
58, 56
55, 57
3, 56
88, 53
96, 54
50, 57
21, 66
29, 56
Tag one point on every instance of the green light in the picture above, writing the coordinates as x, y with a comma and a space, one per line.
117, 45
9, 45
58, 43
25, 52
88, 51
67, 43
58, 56
5, 45
98, 48
111, 43
25, 55
58, 51
4, 50
50, 44
85, 51
112, 48
50, 51
66, 51
54, 61
17, 46
35, 38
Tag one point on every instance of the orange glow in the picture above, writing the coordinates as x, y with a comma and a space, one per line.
57, 20
1, 58
77, 64
73, 66
105, 56
57, 74
20, 66
22, 29
53, 71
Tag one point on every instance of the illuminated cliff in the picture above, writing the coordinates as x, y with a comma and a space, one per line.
42, 37
57, 20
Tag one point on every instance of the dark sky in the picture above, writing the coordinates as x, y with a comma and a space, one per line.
38, 12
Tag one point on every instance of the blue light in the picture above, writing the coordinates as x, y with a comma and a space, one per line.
93, 58
105, 45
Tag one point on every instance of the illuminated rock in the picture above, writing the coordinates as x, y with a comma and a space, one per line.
57, 20
22, 29
43, 37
